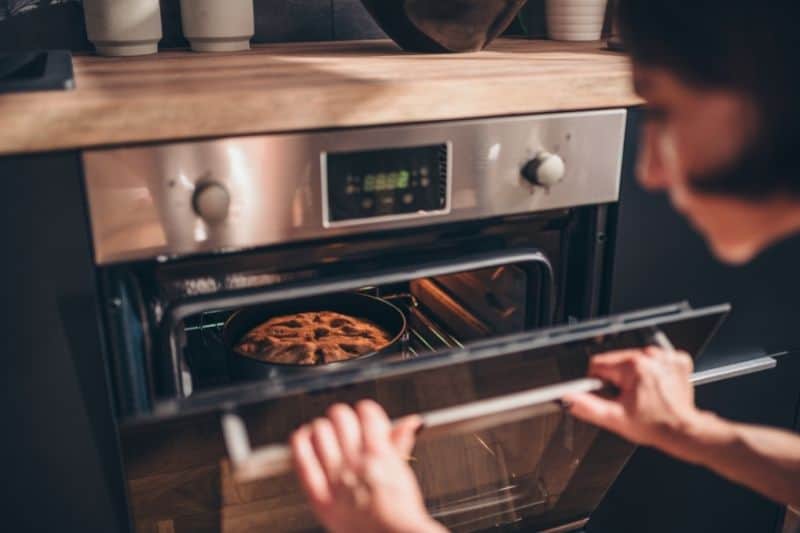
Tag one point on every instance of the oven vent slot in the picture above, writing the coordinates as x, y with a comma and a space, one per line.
443, 174
657, 313
572, 330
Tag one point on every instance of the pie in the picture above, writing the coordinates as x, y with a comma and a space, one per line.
316, 338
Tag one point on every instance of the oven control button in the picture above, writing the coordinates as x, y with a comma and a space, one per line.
211, 201
545, 169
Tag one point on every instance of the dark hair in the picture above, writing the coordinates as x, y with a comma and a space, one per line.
743, 45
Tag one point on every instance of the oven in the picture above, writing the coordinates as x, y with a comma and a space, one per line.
482, 247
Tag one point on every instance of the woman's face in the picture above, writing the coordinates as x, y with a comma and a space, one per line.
691, 133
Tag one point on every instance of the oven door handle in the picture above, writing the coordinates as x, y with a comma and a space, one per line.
276, 460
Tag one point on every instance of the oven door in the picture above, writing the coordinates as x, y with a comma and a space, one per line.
498, 450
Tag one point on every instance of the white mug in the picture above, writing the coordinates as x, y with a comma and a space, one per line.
576, 20
123, 27
218, 25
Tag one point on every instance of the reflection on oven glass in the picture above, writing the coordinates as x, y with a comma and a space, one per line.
502, 475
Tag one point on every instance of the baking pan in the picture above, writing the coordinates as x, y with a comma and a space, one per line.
376, 310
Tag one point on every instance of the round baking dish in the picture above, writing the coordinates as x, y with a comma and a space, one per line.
376, 310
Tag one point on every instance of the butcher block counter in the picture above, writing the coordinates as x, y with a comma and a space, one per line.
288, 87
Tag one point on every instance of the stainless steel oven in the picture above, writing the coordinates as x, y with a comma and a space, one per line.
492, 238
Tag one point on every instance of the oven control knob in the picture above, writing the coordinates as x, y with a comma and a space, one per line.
211, 201
545, 169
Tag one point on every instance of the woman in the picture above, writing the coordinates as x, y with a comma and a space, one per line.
721, 139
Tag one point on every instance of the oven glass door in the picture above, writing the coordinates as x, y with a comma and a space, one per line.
480, 464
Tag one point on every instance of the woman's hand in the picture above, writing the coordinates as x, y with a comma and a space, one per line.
353, 468
656, 407
656, 398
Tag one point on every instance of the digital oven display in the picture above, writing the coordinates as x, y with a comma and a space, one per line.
385, 183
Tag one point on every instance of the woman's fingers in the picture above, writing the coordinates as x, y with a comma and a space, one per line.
678, 358
404, 434
326, 446
591, 408
348, 431
308, 468
615, 358
375, 426
614, 367
348, 427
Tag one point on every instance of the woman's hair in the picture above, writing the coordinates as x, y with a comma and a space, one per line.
742, 45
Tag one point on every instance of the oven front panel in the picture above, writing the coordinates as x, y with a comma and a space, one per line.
175, 200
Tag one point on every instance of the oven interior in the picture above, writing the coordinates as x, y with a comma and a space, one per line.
442, 313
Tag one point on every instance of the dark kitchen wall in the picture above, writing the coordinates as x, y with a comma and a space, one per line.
31, 24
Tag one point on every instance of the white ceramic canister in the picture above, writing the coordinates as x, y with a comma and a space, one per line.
576, 20
123, 27
218, 25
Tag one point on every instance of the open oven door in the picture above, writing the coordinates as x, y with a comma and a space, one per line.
497, 449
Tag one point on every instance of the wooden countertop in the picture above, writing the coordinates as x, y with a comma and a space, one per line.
286, 87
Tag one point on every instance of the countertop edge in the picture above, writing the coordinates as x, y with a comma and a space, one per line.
100, 117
